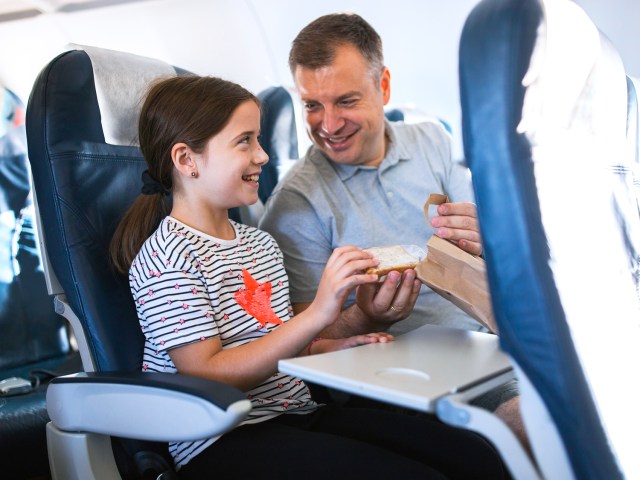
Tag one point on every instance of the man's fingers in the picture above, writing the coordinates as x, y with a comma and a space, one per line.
464, 209
474, 248
454, 234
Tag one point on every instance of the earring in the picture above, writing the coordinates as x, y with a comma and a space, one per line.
193, 174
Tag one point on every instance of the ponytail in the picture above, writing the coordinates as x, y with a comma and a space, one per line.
138, 223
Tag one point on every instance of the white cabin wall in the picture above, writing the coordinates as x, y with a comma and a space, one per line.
248, 41
220, 37
619, 20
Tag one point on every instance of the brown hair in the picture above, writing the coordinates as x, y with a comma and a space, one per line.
185, 109
315, 46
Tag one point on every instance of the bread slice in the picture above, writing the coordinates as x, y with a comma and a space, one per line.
393, 257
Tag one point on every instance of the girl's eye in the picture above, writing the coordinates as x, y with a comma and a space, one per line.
246, 139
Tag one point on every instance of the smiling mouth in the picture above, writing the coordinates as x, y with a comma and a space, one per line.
251, 178
335, 141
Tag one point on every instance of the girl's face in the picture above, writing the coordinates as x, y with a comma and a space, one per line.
229, 167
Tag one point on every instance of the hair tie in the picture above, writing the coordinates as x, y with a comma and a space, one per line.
151, 186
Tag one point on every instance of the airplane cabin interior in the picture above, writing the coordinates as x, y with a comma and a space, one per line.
540, 98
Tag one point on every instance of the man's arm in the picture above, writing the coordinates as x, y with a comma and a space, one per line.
373, 310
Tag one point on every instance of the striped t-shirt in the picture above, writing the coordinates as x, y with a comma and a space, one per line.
184, 283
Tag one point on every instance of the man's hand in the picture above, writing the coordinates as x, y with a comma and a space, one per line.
390, 301
458, 222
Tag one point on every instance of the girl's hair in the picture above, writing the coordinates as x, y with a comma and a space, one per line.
185, 109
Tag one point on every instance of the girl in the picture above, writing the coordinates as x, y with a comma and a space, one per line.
212, 299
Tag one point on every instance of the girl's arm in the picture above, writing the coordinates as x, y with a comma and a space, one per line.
324, 345
248, 365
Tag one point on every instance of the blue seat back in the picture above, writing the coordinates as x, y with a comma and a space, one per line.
84, 185
544, 118
278, 136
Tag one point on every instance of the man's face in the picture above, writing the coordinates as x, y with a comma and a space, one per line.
344, 108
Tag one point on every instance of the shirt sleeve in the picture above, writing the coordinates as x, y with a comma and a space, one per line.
173, 307
302, 237
456, 177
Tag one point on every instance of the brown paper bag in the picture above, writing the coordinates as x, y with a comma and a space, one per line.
456, 275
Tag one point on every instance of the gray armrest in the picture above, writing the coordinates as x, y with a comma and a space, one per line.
147, 406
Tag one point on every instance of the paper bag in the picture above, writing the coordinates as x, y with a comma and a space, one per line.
456, 275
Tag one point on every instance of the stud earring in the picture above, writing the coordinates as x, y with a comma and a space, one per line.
193, 174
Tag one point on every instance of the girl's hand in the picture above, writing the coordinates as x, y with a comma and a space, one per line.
344, 271
325, 345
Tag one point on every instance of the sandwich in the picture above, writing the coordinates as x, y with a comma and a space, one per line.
394, 257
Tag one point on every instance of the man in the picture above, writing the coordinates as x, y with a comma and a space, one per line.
364, 182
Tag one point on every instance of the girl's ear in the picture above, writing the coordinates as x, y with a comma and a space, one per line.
182, 157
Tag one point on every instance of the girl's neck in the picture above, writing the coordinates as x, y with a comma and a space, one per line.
213, 223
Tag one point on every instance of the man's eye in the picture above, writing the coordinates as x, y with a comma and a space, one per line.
310, 106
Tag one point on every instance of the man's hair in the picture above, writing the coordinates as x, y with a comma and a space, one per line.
316, 44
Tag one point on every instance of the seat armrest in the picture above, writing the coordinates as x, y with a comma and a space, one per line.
148, 406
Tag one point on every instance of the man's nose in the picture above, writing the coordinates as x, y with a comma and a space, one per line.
332, 120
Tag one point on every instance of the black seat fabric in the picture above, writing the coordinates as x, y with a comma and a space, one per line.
33, 336
528, 162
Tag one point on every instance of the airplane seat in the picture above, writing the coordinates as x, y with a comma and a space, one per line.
86, 167
278, 137
544, 117
34, 340
394, 115
633, 134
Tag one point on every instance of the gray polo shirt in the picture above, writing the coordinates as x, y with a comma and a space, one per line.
320, 205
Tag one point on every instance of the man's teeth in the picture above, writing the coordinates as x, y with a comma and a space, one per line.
337, 139
251, 178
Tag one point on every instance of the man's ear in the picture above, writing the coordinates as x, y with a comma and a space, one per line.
385, 85
182, 157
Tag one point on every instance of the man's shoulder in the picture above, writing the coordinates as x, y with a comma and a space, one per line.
424, 139
304, 174
426, 129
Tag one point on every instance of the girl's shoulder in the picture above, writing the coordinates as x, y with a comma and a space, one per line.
248, 233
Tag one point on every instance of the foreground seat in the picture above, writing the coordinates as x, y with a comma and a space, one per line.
82, 128
548, 118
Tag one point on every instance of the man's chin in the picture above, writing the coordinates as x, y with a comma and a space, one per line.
344, 155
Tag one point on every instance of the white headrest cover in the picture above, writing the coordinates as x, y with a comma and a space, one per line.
121, 81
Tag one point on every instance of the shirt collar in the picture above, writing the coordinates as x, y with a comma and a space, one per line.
395, 153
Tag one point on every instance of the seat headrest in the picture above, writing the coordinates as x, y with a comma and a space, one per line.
121, 80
